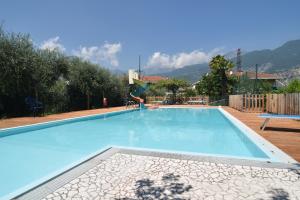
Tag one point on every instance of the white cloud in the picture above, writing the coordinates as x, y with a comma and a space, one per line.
53, 44
107, 53
179, 60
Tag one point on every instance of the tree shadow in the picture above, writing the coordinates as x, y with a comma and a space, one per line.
296, 168
279, 194
172, 188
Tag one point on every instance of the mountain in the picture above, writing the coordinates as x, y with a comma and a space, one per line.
232, 54
156, 70
288, 75
191, 73
282, 59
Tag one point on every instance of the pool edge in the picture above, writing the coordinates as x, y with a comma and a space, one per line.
267, 147
6, 131
86, 159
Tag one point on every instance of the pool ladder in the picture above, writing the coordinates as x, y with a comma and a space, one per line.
130, 104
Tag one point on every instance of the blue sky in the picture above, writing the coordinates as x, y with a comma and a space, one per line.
166, 33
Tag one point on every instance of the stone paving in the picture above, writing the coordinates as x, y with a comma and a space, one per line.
131, 177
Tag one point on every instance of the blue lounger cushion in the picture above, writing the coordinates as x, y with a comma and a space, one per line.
276, 116
280, 116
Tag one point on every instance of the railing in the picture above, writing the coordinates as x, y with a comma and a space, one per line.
254, 103
204, 100
154, 99
247, 103
288, 104
181, 99
131, 104
220, 102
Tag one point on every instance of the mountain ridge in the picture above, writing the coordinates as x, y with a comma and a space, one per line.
283, 58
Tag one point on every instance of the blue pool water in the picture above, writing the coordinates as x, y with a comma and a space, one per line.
31, 154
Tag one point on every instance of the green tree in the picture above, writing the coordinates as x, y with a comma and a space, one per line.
83, 78
220, 66
218, 82
292, 87
16, 63
189, 92
61, 83
155, 90
209, 85
172, 85
47, 68
245, 85
58, 98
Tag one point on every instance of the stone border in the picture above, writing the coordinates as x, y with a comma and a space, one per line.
60, 180
213, 159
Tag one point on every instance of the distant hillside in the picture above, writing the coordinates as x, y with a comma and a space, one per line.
282, 59
288, 75
191, 73
156, 70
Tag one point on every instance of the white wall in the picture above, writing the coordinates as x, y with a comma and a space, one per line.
132, 74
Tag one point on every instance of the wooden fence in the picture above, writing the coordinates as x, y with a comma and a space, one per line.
288, 104
247, 103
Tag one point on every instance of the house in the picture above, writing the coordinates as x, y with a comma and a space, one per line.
132, 74
153, 79
271, 78
193, 86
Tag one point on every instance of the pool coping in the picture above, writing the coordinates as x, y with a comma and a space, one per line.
62, 179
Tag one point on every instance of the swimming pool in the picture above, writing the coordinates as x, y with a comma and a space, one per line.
32, 154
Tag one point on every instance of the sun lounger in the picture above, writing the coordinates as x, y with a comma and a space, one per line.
275, 116
200, 101
157, 102
34, 105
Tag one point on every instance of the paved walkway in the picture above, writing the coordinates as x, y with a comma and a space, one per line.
131, 177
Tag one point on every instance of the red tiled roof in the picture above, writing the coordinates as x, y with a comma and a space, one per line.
153, 79
251, 75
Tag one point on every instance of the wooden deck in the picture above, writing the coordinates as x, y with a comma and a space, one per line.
285, 134
19, 121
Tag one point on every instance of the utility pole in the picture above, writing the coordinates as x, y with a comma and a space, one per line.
239, 60
255, 83
139, 67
